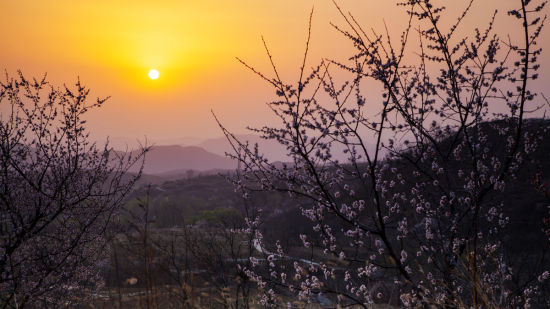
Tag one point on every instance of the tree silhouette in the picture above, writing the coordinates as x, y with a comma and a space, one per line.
419, 212
58, 192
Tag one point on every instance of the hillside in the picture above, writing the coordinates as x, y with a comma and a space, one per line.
165, 159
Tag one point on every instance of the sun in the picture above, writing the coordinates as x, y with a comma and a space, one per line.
154, 74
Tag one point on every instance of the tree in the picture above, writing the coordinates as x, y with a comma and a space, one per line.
58, 192
420, 211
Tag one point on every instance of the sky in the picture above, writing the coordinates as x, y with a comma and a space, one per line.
112, 44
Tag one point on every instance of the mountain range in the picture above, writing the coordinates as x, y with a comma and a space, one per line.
176, 160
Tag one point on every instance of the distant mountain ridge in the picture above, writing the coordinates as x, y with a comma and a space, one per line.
173, 161
164, 159
270, 148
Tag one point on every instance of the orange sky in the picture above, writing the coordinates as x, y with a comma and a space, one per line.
112, 44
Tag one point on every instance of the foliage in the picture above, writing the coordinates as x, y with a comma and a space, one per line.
217, 216
185, 267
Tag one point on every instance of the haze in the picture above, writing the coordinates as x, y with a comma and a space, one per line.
112, 45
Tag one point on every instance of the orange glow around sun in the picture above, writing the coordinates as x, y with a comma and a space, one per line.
113, 46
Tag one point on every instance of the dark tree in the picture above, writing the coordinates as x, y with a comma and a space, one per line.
58, 192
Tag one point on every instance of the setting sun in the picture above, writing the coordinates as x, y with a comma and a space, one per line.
154, 74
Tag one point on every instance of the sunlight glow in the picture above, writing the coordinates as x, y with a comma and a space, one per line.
154, 74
